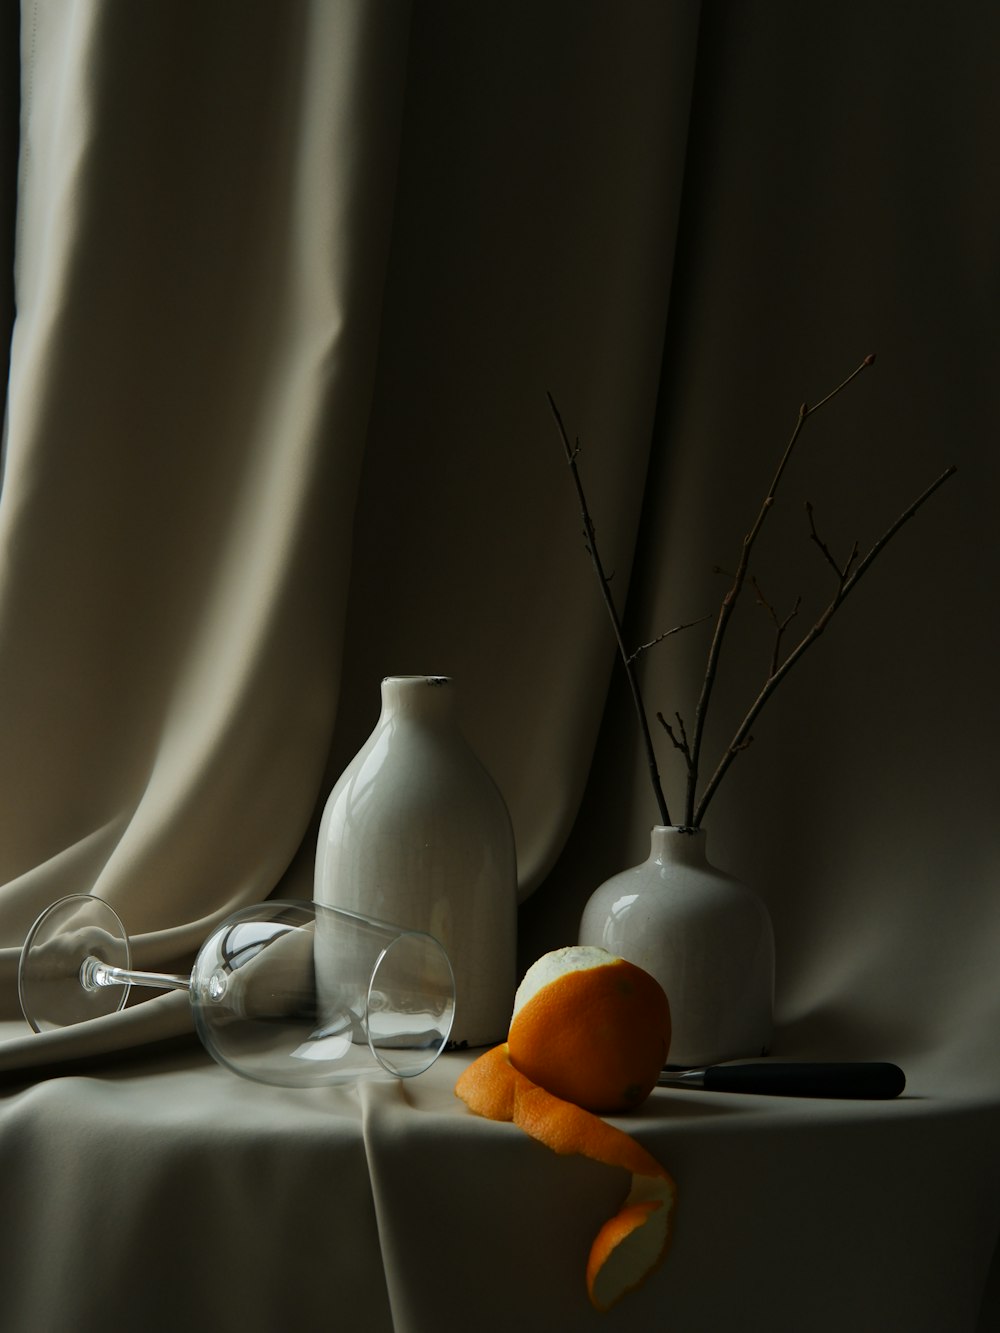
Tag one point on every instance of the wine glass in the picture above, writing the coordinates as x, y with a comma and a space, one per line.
291, 993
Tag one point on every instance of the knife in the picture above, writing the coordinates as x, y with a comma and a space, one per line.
866, 1079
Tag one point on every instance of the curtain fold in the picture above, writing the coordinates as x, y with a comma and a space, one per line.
204, 219
535, 218
292, 285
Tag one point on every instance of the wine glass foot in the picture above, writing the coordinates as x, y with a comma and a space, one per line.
54, 956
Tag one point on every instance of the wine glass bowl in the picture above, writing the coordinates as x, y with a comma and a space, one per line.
289, 993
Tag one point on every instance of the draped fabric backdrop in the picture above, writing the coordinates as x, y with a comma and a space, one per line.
287, 285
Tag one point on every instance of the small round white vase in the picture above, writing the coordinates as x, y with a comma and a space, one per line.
705, 936
416, 833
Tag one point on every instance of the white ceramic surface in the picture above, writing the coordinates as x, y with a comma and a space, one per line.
706, 937
415, 832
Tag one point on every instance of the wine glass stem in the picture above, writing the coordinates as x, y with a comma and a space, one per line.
94, 975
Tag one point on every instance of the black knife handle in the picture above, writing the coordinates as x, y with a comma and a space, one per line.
868, 1080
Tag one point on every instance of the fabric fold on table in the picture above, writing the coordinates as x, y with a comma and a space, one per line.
25, 1054
173, 1190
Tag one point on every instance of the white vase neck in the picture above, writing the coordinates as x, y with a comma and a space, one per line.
677, 845
419, 698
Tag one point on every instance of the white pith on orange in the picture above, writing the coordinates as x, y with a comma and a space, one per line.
591, 1028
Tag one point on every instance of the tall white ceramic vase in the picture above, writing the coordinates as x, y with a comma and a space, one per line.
706, 937
415, 832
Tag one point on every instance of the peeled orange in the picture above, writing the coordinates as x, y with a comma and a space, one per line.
591, 1028
590, 1031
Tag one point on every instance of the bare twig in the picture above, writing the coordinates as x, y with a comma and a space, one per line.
780, 625
847, 581
679, 737
644, 647
827, 553
627, 660
731, 597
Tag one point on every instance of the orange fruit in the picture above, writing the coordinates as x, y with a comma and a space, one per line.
590, 1032
590, 1028
632, 1243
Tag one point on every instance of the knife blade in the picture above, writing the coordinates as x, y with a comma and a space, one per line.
869, 1080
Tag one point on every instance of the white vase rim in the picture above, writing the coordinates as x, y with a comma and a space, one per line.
418, 680
675, 842
420, 699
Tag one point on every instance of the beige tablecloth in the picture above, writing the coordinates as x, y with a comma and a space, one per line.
172, 1190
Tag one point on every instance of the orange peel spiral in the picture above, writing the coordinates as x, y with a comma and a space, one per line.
633, 1243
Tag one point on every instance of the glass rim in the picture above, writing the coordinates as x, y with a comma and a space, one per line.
405, 934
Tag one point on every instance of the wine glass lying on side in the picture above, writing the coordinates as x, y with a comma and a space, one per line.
289, 993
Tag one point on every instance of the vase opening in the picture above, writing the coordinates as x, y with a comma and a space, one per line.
419, 696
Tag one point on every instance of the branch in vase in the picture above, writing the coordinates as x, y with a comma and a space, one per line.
848, 578
627, 659
732, 596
